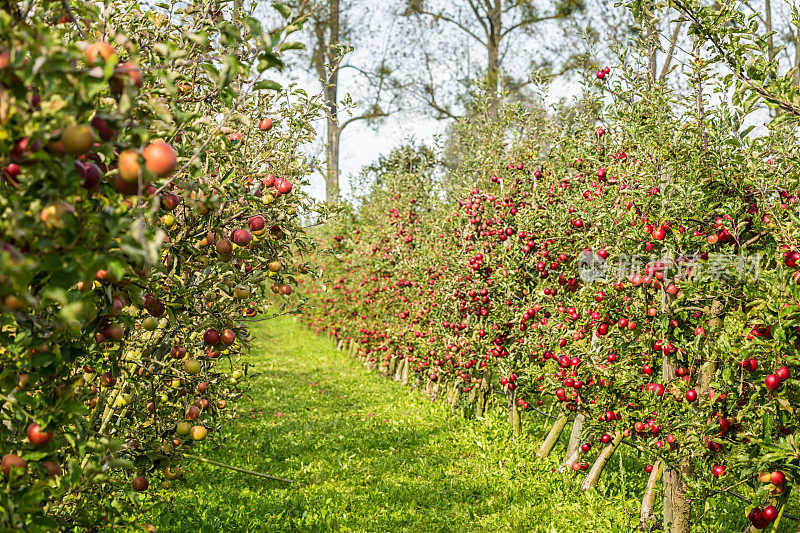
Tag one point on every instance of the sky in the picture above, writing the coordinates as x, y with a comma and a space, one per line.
362, 144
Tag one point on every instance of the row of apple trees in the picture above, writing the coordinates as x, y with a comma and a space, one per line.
149, 212
633, 269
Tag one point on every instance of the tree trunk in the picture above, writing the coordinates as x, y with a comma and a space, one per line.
652, 42
552, 437
332, 154
668, 59
404, 372
483, 393
493, 60
576, 455
647, 515
593, 477
575, 435
797, 57
455, 395
677, 509
398, 369
768, 24
324, 60
513, 414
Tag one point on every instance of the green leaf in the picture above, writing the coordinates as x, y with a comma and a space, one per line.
283, 9
292, 46
268, 85
269, 60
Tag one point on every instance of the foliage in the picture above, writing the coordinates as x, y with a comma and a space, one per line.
637, 265
142, 229
367, 455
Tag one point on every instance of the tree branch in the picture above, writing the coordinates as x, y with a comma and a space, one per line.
709, 36
366, 116
528, 21
452, 21
479, 17
668, 59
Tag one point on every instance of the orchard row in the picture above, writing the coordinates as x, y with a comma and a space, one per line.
634, 271
148, 211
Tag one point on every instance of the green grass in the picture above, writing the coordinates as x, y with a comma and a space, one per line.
368, 455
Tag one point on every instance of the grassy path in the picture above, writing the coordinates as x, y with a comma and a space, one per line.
369, 455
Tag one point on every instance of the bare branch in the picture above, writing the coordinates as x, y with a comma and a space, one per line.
673, 39
527, 22
441, 16
479, 17
366, 116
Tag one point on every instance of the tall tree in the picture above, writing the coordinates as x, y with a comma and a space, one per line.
331, 38
495, 28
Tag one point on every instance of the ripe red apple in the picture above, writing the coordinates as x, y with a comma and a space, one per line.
125, 72
140, 483
256, 223
756, 517
12, 461
224, 248
283, 185
113, 332
170, 201
241, 237
777, 477
227, 337
772, 382
107, 379
98, 49
103, 129
160, 158
691, 395
211, 337
265, 124
36, 436
770, 513
53, 468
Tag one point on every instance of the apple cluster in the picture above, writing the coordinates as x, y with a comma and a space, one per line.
149, 213
629, 272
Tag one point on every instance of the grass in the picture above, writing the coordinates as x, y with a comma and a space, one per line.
368, 455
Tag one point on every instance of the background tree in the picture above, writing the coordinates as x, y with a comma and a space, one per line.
366, 77
491, 28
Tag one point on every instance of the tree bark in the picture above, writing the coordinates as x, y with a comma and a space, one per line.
651, 37
404, 372
668, 60
576, 455
768, 24
575, 435
797, 57
493, 59
324, 59
552, 437
513, 414
593, 477
647, 515
677, 509
483, 393
455, 395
